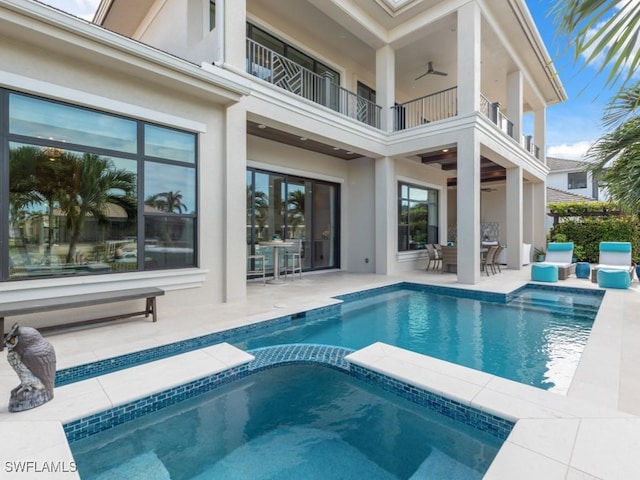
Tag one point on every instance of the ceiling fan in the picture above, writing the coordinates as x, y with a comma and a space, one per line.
431, 71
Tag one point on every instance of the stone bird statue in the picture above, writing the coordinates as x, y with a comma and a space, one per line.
34, 360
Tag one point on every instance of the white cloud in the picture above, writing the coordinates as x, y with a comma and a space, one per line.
573, 151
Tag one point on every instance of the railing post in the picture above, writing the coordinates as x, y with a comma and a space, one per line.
326, 89
495, 108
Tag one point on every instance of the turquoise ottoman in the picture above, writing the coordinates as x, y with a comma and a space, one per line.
544, 273
608, 278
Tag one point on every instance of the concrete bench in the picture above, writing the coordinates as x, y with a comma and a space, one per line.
25, 307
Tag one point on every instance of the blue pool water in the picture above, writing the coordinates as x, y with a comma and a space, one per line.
296, 421
535, 338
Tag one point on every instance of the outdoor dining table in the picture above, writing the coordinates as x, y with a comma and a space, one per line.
276, 245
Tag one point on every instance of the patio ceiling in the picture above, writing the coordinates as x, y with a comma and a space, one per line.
280, 136
448, 161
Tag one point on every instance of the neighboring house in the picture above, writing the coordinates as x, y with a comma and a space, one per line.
571, 176
365, 128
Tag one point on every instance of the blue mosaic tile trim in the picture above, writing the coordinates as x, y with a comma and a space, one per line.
270, 357
99, 422
109, 365
595, 292
496, 426
437, 289
371, 292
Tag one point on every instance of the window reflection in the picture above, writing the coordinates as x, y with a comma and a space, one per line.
169, 144
169, 188
68, 211
169, 242
417, 217
75, 210
39, 118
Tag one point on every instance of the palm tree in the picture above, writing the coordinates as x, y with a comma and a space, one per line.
94, 184
295, 210
602, 31
36, 176
260, 207
608, 32
170, 202
616, 156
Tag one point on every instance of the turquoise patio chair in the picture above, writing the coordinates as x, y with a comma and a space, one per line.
561, 255
614, 256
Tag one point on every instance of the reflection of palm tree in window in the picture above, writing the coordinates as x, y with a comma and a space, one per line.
36, 177
170, 202
260, 207
94, 183
295, 211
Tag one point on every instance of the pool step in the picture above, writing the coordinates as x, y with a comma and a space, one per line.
578, 311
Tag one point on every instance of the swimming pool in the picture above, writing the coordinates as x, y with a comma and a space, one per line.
534, 335
294, 421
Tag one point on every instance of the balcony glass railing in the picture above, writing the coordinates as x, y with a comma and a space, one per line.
288, 75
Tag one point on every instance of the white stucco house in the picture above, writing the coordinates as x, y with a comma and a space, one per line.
572, 177
163, 141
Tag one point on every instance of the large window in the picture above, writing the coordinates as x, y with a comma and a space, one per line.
294, 208
577, 180
292, 53
417, 217
89, 192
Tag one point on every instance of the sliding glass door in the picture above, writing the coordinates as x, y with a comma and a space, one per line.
294, 208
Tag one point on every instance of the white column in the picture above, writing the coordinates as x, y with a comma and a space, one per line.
234, 15
469, 52
514, 218
527, 213
514, 102
540, 132
197, 21
539, 215
386, 85
235, 208
386, 214
468, 191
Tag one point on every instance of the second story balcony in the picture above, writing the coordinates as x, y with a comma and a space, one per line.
444, 104
289, 75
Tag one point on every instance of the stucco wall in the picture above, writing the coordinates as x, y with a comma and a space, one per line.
190, 37
82, 77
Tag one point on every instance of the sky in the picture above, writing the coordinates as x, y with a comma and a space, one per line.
571, 126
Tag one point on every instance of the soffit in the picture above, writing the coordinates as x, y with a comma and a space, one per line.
280, 136
123, 16
393, 13
289, 16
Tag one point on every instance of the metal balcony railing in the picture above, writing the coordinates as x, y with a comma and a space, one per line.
427, 109
288, 75
529, 146
493, 113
